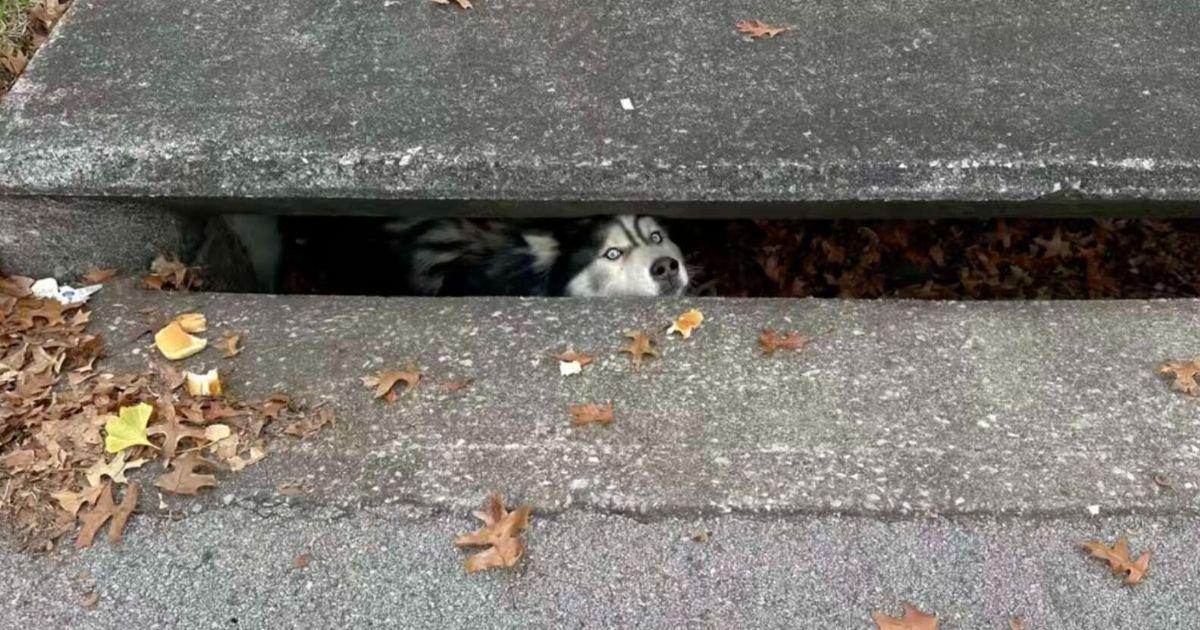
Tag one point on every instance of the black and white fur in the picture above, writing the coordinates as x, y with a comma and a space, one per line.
599, 257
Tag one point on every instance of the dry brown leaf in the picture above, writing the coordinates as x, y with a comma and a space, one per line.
701, 537
913, 619
640, 345
95, 518
293, 489
98, 276
587, 414
577, 357
500, 533
758, 29
183, 478
1016, 623
172, 430
686, 323
308, 427
386, 380
14, 61
1119, 560
229, 345
301, 561
1185, 373
168, 273
121, 516
463, 4
771, 341
89, 600
453, 386
72, 501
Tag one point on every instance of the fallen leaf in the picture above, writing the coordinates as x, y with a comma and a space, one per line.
192, 322
229, 344
913, 619
98, 276
640, 345
758, 29
72, 501
301, 561
306, 428
686, 323
169, 273
172, 430
113, 469
570, 356
702, 537
771, 341
1119, 560
589, 413
500, 533
1016, 623
89, 600
175, 343
386, 380
207, 384
183, 478
294, 489
121, 516
95, 517
465, 4
1055, 247
453, 386
14, 61
128, 429
1185, 373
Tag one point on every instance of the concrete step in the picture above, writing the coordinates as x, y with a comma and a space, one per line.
357, 105
954, 454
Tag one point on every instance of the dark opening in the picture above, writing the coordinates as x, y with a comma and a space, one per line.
929, 259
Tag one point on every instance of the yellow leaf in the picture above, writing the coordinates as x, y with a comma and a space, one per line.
129, 429
686, 323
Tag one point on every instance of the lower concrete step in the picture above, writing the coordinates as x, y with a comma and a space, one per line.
952, 454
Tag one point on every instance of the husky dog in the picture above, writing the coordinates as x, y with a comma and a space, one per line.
614, 256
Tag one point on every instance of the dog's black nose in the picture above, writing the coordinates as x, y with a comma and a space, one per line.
664, 268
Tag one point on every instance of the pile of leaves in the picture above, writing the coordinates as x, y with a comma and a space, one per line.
952, 259
24, 26
69, 433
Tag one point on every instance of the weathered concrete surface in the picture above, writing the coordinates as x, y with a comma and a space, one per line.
926, 100
64, 237
896, 408
395, 567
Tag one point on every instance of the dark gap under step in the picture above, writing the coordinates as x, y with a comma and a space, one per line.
928, 259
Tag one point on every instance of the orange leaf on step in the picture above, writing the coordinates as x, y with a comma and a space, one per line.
1119, 560
913, 619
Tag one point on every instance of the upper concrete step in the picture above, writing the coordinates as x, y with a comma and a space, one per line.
927, 100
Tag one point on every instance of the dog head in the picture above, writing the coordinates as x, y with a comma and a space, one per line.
626, 255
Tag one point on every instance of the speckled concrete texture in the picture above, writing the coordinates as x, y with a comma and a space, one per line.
62, 238
927, 100
896, 407
391, 567
954, 455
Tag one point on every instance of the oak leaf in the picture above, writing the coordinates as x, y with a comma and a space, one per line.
386, 380
95, 518
758, 29
500, 534
121, 516
771, 341
113, 469
89, 600
98, 276
14, 61
128, 428
1185, 373
686, 323
172, 430
571, 356
306, 428
183, 478
301, 561
72, 501
168, 273
913, 619
587, 414
640, 345
229, 345
1119, 560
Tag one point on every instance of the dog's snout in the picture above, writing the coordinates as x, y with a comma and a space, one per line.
664, 268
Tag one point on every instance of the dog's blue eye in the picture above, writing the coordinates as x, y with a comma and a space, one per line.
656, 237
613, 253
